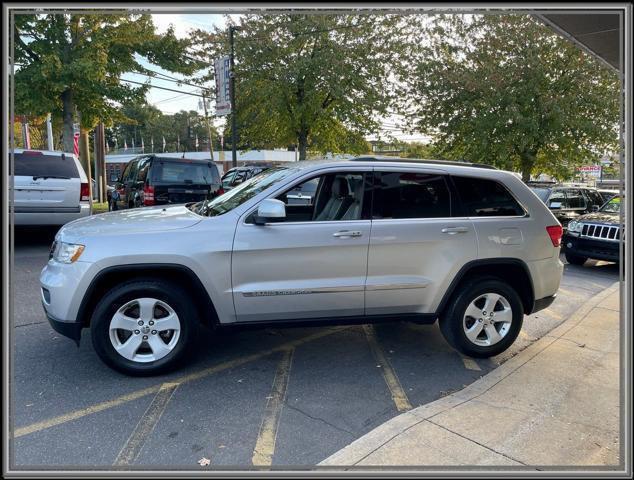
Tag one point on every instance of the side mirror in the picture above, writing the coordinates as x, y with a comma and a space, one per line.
595, 208
270, 209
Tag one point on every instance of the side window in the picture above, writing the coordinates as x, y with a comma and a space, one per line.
594, 197
558, 199
134, 168
576, 199
125, 176
226, 181
486, 198
303, 194
329, 197
144, 166
410, 195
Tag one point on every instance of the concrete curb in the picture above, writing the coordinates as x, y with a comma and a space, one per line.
364, 446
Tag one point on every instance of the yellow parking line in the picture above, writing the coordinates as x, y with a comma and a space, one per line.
470, 363
265, 444
396, 390
99, 407
144, 428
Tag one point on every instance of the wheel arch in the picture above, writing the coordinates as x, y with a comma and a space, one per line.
115, 275
512, 270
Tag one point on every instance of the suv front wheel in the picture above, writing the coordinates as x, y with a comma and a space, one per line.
484, 318
144, 327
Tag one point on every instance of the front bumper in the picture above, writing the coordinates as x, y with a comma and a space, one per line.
71, 330
591, 248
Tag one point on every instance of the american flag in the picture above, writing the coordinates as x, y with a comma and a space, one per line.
76, 143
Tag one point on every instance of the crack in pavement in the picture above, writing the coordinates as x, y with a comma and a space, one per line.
478, 443
336, 427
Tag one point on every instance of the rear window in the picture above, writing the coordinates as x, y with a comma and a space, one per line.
542, 193
36, 164
184, 172
486, 198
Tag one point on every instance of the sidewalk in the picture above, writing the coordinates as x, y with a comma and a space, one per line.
556, 403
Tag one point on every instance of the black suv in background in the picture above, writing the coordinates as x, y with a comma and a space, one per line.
156, 180
567, 202
237, 175
596, 235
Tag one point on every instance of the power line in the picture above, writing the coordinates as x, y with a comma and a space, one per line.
168, 79
164, 88
171, 98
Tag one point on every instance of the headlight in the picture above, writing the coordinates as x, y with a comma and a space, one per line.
66, 252
575, 226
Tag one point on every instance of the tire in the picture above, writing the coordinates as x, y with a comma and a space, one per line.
165, 348
455, 321
575, 259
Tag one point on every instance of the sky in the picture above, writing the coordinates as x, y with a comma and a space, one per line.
171, 102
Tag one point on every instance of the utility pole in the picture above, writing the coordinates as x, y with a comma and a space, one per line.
232, 93
211, 148
49, 132
100, 161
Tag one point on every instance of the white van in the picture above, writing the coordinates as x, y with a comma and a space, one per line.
50, 188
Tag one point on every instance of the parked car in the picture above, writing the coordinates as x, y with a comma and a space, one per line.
237, 175
383, 239
595, 235
50, 188
154, 180
568, 202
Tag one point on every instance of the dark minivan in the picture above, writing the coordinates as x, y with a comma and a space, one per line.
156, 180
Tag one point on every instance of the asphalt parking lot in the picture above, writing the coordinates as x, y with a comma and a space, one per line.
274, 397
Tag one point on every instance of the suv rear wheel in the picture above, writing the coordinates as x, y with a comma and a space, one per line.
144, 327
484, 318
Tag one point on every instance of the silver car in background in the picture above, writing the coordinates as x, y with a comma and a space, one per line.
49, 188
381, 239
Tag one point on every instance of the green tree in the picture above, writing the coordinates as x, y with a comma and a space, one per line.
315, 81
506, 90
69, 61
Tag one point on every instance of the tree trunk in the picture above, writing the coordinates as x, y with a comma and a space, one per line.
302, 140
527, 164
68, 107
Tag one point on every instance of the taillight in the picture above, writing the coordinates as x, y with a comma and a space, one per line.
220, 191
555, 232
84, 194
148, 195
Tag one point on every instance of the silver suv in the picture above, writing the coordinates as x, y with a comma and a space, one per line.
380, 239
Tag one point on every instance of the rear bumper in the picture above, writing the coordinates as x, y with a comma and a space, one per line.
71, 330
50, 217
596, 249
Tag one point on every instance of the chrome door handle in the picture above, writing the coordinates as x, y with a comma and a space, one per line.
347, 233
454, 230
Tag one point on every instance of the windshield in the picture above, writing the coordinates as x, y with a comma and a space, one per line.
542, 193
240, 194
613, 206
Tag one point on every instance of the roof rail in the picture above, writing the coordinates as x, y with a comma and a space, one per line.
421, 160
